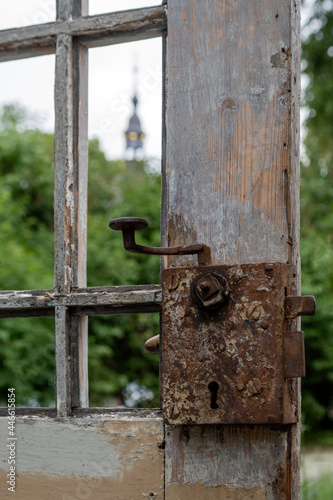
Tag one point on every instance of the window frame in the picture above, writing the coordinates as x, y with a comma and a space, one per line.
71, 302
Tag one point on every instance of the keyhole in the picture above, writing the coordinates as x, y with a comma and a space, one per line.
213, 387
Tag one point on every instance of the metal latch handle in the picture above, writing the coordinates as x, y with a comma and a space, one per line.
128, 226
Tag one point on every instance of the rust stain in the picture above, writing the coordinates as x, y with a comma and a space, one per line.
227, 368
198, 491
185, 14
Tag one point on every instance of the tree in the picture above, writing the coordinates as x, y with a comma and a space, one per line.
317, 216
116, 343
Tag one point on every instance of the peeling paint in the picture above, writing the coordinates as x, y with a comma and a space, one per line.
86, 459
198, 491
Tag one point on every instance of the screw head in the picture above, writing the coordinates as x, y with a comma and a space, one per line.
172, 282
254, 312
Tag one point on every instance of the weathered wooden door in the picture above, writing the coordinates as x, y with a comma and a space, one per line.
230, 181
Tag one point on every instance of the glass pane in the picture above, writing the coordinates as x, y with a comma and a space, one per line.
26, 173
104, 6
18, 13
27, 361
121, 184
121, 372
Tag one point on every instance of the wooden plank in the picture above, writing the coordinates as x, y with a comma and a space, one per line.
85, 458
293, 197
103, 29
71, 9
64, 9
119, 413
79, 361
231, 183
232, 462
80, 8
64, 195
99, 412
93, 301
29, 410
64, 216
63, 361
238, 146
79, 325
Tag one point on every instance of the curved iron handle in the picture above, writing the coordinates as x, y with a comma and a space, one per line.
128, 226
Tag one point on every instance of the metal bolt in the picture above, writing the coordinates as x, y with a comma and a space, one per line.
204, 286
210, 290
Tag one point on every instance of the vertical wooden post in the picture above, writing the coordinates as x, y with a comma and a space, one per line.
231, 178
71, 201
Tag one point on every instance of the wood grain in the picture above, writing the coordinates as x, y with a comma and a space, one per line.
228, 171
231, 182
94, 31
90, 301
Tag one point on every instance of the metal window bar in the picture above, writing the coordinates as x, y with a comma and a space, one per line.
69, 37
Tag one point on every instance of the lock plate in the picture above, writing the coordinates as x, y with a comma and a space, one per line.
227, 364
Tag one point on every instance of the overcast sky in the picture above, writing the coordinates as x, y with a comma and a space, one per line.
30, 81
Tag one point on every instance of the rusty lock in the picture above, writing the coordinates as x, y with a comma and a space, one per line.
228, 352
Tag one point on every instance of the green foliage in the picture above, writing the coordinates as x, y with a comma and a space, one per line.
317, 219
27, 360
117, 355
321, 489
116, 343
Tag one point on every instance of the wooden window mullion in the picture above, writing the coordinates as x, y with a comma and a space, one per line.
79, 325
70, 210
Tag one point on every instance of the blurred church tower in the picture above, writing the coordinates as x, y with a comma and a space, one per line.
134, 134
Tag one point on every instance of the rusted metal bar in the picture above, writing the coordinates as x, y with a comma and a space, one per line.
294, 354
128, 226
299, 306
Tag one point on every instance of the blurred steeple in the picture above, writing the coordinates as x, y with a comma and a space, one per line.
134, 134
